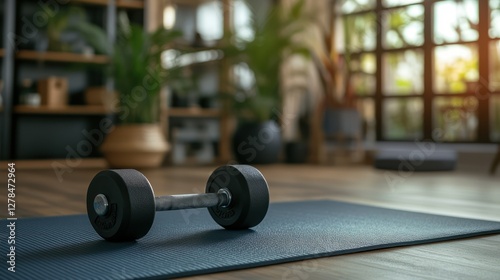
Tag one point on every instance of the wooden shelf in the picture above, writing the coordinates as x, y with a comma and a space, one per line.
61, 57
130, 4
190, 2
91, 2
127, 4
66, 110
193, 113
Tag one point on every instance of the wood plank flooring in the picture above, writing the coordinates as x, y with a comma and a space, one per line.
468, 192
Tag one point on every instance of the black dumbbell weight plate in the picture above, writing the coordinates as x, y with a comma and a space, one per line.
249, 196
131, 202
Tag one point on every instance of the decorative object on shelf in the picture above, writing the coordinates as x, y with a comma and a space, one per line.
195, 138
137, 140
53, 91
29, 96
178, 100
255, 95
100, 96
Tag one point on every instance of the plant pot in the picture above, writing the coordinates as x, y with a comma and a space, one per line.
257, 143
296, 152
135, 146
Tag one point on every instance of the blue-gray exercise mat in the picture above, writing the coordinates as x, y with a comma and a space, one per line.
188, 242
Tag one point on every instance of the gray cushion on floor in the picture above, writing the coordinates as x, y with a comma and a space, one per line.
416, 160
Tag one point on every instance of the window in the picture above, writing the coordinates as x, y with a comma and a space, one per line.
456, 21
209, 21
454, 67
402, 118
427, 65
403, 73
403, 27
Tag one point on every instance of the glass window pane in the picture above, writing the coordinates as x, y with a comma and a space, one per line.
403, 73
350, 6
456, 118
362, 74
495, 118
456, 21
393, 3
495, 18
366, 107
404, 27
495, 66
242, 20
339, 35
455, 68
359, 32
402, 118
209, 21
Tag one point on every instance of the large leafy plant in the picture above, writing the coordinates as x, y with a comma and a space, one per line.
135, 66
273, 41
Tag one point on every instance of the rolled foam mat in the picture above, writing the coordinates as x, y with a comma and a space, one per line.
416, 160
188, 242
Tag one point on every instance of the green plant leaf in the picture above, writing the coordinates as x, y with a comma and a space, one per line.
135, 66
272, 43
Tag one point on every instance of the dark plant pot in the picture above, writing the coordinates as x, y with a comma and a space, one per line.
296, 152
179, 101
205, 102
257, 143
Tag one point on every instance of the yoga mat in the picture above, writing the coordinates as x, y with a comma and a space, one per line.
188, 242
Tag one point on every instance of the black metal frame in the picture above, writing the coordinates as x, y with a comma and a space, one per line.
11, 12
8, 78
482, 94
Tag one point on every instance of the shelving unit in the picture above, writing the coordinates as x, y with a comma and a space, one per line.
130, 4
193, 113
61, 57
62, 126
57, 127
190, 2
66, 110
90, 2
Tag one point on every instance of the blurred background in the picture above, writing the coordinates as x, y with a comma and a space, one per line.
194, 82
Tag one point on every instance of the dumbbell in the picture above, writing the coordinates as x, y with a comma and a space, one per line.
121, 204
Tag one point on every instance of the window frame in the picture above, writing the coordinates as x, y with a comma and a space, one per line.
482, 91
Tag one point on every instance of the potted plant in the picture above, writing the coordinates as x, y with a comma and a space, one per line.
257, 101
137, 140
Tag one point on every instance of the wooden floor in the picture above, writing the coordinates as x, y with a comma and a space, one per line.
468, 192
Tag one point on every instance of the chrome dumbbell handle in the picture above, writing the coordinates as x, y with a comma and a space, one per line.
175, 202
186, 201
